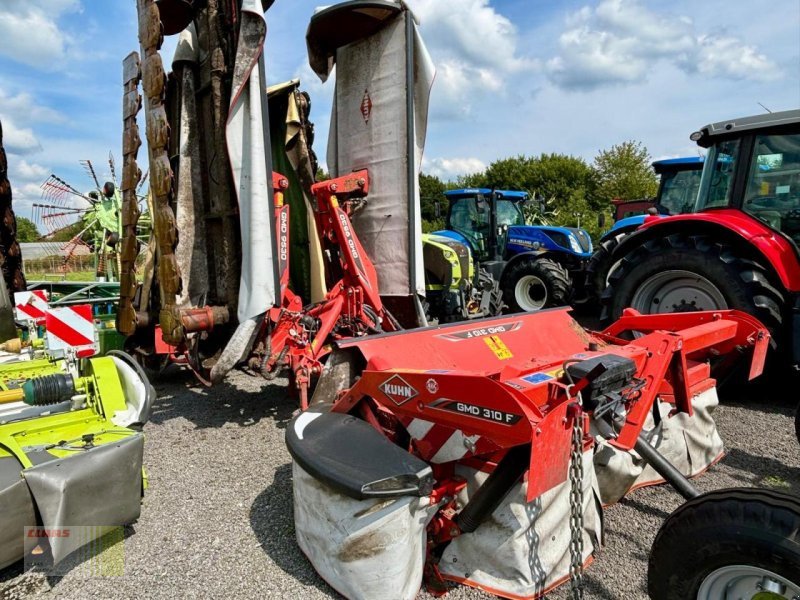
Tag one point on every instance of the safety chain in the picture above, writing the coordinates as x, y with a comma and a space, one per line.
576, 502
131, 175
154, 82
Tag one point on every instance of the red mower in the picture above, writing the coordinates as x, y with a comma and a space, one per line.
481, 454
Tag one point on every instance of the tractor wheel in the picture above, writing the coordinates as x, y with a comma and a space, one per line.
729, 544
597, 270
536, 283
682, 274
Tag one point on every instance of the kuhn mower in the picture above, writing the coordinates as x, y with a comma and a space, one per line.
481, 453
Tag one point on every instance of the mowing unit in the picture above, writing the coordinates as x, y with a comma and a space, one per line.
482, 453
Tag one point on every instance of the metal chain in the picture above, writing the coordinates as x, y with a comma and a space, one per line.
576, 504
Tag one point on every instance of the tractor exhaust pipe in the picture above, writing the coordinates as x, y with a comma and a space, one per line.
494, 489
666, 469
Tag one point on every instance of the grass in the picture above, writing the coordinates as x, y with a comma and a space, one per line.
71, 276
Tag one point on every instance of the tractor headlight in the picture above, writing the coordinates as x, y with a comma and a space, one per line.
574, 244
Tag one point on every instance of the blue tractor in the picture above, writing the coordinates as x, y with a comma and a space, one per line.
677, 191
534, 264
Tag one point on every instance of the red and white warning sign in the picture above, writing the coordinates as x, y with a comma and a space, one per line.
31, 306
71, 327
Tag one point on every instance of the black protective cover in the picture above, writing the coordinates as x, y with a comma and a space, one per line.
348, 454
619, 372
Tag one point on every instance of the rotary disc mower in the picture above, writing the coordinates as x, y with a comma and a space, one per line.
481, 453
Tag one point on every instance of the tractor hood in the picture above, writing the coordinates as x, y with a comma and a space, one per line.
525, 238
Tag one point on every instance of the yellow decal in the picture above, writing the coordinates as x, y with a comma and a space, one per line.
497, 346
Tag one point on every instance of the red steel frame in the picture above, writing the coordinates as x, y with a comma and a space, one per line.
297, 337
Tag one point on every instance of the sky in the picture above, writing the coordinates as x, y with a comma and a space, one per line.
513, 77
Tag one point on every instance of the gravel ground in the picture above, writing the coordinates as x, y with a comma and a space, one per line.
217, 518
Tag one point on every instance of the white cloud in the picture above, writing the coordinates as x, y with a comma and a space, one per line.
475, 49
622, 41
23, 107
726, 56
19, 140
30, 170
450, 168
30, 34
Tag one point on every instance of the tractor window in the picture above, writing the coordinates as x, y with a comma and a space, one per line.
773, 184
509, 213
679, 191
470, 217
716, 182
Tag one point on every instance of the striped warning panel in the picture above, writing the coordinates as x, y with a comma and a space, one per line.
71, 327
31, 306
440, 444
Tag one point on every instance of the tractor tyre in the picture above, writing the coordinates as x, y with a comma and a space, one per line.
597, 270
536, 283
679, 273
735, 543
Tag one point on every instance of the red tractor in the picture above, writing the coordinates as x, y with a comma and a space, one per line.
739, 248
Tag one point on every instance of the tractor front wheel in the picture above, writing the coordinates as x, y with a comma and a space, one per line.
729, 544
536, 283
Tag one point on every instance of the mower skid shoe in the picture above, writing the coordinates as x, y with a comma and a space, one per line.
365, 549
348, 455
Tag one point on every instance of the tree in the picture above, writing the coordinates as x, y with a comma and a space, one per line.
566, 184
624, 172
26, 230
431, 191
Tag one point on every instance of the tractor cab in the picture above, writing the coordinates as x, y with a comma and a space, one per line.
677, 193
755, 167
478, 213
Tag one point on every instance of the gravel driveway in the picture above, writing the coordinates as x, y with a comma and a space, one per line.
217, 518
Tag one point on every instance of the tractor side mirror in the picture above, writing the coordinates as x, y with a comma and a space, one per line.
437, 209
601, 220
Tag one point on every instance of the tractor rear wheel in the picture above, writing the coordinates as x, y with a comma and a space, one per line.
677, 273
536, 283
729, 544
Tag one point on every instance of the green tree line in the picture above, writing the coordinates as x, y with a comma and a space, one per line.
575, 193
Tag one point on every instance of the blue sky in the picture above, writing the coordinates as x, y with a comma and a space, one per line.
513, 76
